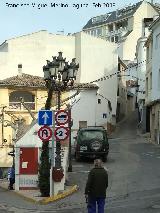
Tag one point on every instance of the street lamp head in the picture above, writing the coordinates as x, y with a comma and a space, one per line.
48, 62
46, 72
65, 73
61, 61
73, 68
59, 69
76, 70
54, 59
53, 68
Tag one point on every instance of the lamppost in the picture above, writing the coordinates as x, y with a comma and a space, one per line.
2, 115
70, 146
59, 75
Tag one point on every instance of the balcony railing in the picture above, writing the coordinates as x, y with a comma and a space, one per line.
19, 106
116, 32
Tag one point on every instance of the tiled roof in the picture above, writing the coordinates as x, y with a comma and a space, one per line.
115, 15
155, 22
26, 80
156, 6
85, 86
127, 33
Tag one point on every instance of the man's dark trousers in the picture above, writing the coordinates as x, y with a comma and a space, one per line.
92, 205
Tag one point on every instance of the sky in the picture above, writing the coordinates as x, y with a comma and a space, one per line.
20, 17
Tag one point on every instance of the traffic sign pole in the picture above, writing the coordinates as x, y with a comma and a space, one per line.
58, 144
52, 161
70, 154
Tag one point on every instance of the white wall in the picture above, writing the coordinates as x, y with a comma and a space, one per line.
85, 108
96, 57
99, 58
32, 51
127, 49
141, 69
156, 62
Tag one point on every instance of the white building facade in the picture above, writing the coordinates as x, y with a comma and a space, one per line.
153, 80
141, 73
97, 58
124, 26
99, 64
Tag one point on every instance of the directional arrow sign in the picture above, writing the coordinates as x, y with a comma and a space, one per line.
45, 133
61, 133
45, 117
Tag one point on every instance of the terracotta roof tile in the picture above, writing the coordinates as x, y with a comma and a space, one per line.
26, 80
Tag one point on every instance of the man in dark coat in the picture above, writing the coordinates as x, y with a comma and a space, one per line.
95, 191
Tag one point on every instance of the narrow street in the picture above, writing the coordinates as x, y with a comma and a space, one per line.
134, 178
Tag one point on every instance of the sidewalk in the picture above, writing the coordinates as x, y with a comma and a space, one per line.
35, 196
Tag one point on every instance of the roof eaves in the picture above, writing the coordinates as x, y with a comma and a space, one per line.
121, 62
20, 86
154, 102
83, 86
156, 7
3, 43
103, 23
25, 35
154, 23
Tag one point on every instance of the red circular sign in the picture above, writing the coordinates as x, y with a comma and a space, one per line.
45, 133
61, 133
61, 117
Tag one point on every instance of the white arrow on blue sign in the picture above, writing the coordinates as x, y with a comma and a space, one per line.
45, 117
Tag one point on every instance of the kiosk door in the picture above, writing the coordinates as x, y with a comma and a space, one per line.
28, 161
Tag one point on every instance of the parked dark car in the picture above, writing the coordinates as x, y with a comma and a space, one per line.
91, 142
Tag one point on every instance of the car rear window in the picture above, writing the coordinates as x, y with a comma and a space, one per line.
91, 134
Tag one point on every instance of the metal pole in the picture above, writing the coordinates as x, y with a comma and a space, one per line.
3, 124
70, 154
58, 144
52, 161
59, 99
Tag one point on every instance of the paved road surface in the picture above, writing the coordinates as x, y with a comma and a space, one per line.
134, 178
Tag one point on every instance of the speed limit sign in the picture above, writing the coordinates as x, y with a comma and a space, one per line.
61, 133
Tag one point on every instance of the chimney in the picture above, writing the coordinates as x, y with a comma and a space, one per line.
19, 69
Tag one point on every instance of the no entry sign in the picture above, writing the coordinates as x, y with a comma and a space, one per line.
45, 133
61, 117
61, 133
